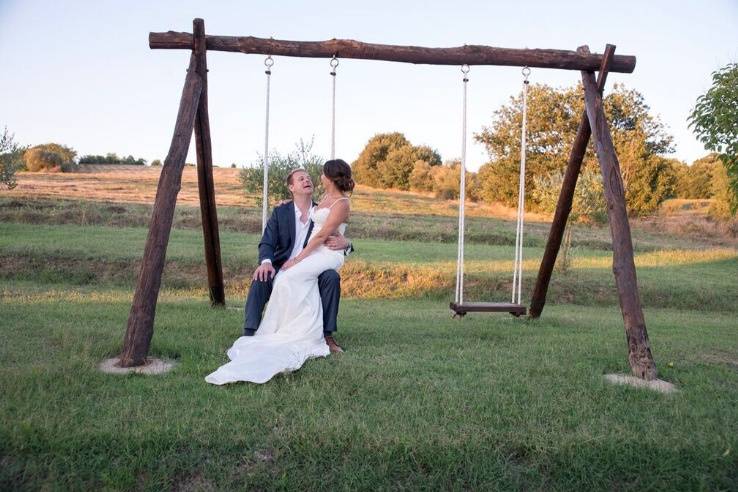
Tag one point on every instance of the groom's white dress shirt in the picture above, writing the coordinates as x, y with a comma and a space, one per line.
301, 230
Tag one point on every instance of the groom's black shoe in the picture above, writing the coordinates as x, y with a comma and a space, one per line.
248, 332
332, 345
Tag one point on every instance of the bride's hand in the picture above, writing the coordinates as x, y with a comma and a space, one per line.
289, 264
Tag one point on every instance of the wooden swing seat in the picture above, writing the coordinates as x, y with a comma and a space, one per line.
488, 307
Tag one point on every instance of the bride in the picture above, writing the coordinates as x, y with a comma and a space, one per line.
291, 331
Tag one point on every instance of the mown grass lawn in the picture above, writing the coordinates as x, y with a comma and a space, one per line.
417, 401
702, 278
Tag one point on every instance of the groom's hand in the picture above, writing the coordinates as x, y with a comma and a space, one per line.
264, 272
337, 242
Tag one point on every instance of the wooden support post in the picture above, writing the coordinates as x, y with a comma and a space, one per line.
141, 317
208, 211
639, 350
566, 196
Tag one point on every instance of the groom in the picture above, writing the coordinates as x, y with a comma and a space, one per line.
286, 234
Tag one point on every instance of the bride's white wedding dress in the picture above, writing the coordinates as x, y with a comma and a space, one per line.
291, 330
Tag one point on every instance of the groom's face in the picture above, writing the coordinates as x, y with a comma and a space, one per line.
301, 184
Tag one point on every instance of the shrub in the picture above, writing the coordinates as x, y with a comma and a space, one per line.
421, 178
156, 163
50, 157
252, 177
10, 159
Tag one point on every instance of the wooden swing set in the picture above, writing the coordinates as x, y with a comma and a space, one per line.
193, 113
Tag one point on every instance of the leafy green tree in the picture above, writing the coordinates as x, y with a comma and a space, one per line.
588, 205
553, 119
648, 178
721, 206
427, 154
365, 167
388, 160
394, 171
696, 181
715, 121
252, 176
50, 157
10, 159
551, 127
112, 158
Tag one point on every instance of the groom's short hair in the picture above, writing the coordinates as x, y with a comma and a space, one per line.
292, 173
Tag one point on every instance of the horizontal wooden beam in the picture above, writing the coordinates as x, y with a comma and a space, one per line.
347, 48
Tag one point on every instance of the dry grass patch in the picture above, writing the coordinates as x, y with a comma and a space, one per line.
137, 184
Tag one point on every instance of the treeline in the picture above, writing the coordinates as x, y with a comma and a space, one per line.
112, 158
49, 157
706, 178
642, 143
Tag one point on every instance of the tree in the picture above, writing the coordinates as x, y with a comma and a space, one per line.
588, 205
648, 178
721, 206
10, 159
156, 163
252, 177
427, 154
421, 178
394, 171
696, 181
377, 149
551, 127
50, 157
715, 121
111, 158
553, 119
388, 160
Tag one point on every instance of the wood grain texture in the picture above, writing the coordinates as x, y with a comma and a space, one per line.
566, 196
639, 349
206, 187
348, 48
143, 309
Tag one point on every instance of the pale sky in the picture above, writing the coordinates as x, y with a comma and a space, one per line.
81, 72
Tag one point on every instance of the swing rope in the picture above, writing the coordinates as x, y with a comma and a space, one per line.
462, 198
268, 62
518, 266
334, 65
514, 307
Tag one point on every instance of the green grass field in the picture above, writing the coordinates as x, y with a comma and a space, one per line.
418, 400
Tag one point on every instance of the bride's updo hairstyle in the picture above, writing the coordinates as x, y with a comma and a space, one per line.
340, 173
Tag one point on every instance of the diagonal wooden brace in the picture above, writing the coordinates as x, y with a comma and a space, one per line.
623, 265
141, 317
566, 196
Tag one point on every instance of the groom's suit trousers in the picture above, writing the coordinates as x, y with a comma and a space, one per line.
329, 285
